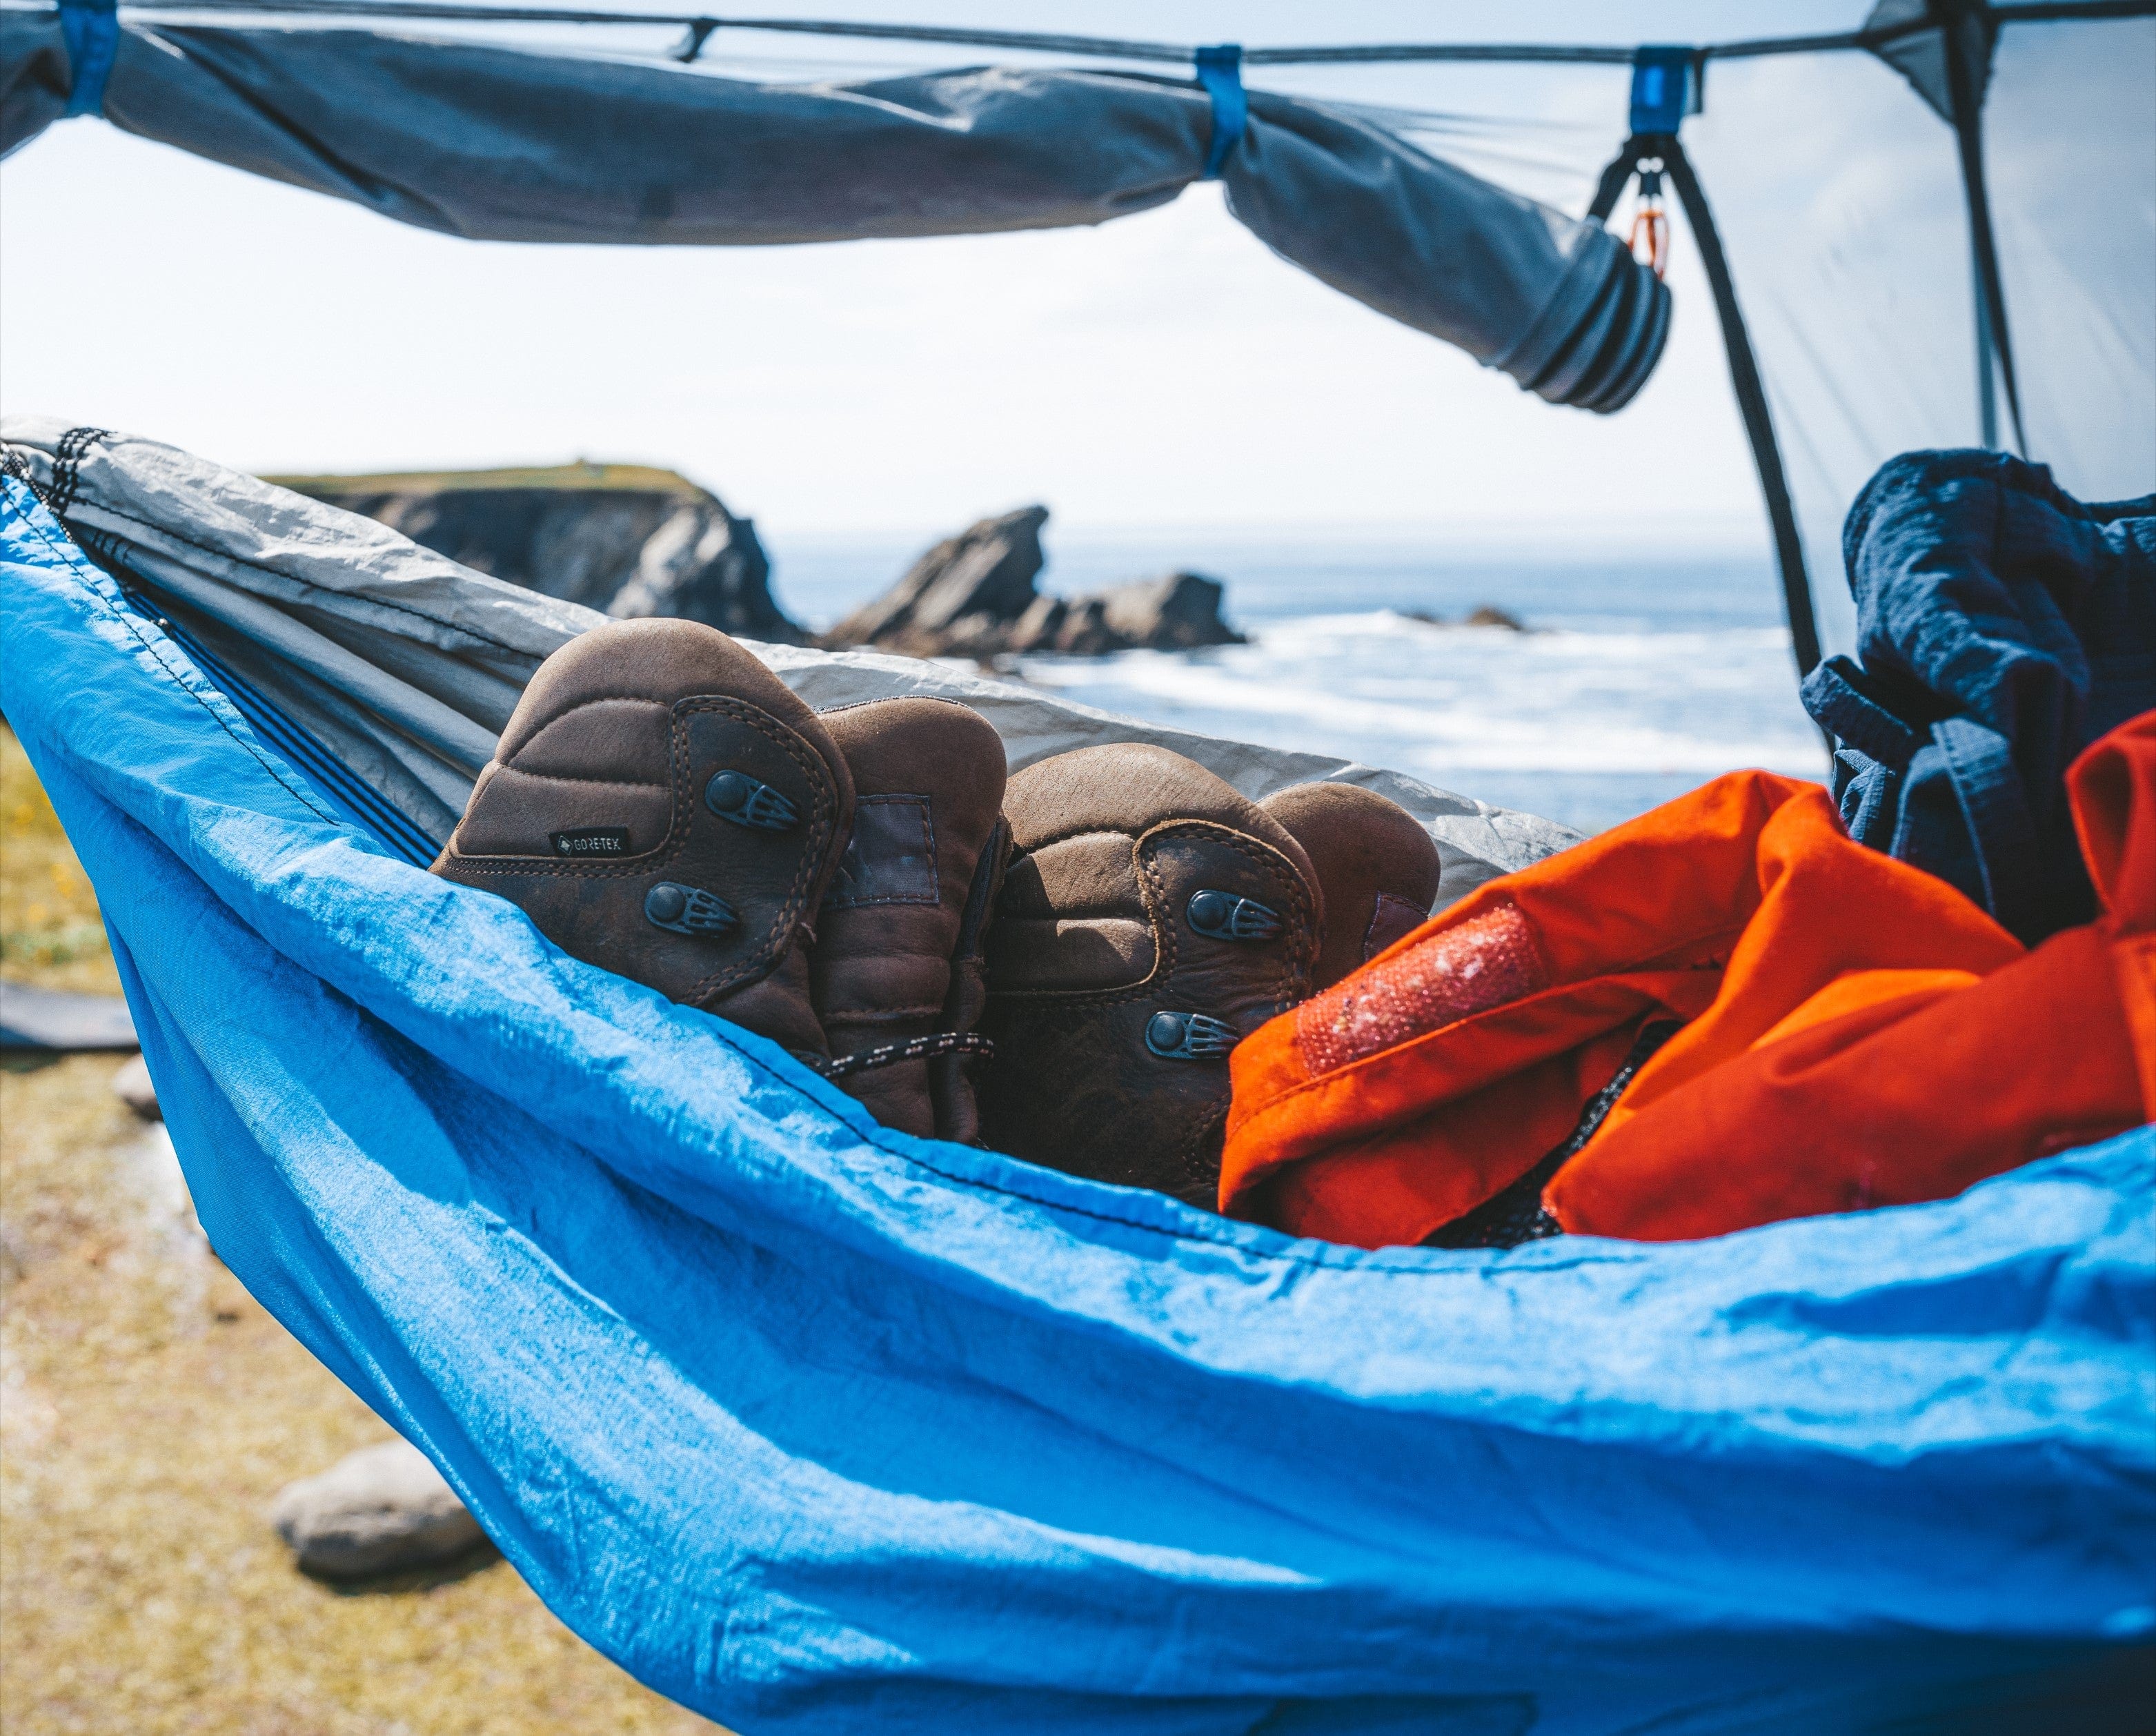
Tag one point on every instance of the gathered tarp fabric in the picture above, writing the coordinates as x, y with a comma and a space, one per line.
2002, 626
404, 666
509, 145
815, 1426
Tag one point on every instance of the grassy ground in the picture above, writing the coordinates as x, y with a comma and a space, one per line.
150, 1408
50, 932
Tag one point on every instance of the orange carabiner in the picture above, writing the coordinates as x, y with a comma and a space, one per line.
1650, 239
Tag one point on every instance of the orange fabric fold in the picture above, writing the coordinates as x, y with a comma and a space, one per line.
1848, 1039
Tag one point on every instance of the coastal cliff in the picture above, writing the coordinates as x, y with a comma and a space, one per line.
627, 539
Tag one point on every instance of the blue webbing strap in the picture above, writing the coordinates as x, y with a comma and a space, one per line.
91, 30
1665, 88
1220, 71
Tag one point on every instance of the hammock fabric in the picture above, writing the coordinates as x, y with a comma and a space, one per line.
815, 1426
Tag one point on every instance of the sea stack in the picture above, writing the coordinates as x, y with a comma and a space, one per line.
976, 595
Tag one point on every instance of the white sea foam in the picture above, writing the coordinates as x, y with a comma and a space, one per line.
1585, 726
1649, 677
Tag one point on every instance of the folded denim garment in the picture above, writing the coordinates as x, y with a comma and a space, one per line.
2002, 626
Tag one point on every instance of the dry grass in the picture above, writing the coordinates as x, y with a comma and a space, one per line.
49, 930
149, 1410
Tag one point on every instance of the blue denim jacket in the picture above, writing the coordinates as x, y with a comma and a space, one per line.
2002, 626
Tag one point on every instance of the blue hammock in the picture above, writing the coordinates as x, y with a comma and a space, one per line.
813, 1425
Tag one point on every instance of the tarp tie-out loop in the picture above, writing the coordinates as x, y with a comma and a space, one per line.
692, 44
91, 31
1666, 87
1220, 71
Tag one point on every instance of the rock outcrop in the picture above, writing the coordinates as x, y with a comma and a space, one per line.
1488, 614
383, 1509
627, 539
974, 595
1179, 612
1484, 615
958, 596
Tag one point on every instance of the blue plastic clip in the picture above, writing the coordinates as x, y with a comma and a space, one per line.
1220, 71
1665, 88
90, 28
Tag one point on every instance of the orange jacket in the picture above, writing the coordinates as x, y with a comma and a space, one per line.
1858, 1032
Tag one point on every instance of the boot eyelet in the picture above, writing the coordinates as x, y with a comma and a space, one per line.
687, 909
1225, 916
738, 796
1189, 1036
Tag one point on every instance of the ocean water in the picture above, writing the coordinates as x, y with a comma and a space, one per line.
1639, 679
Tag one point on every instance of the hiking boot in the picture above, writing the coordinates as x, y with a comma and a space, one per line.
1150, 917
661, 806
1377, 867
897, 969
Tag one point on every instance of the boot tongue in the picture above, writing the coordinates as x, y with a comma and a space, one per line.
928, 777
892, 857
1377, 866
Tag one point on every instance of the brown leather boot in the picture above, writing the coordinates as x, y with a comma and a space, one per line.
1150, 918
895, 969
661, 805
1377, 867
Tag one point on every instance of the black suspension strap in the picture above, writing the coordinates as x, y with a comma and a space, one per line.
1665, 88
1752, 404
68, 456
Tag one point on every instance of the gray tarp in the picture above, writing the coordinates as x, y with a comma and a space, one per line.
405, 666
505, 145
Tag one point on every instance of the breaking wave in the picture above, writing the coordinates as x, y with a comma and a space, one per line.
1586, 727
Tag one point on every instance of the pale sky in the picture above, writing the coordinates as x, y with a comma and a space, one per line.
1163, 370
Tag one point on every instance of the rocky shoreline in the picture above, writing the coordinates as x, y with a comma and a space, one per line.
634, 540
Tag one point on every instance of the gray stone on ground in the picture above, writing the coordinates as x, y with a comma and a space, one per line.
975, 595
58, 1019
131, 1085
383, 1509
628, 539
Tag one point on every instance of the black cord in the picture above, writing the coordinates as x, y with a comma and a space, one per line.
1113, 49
